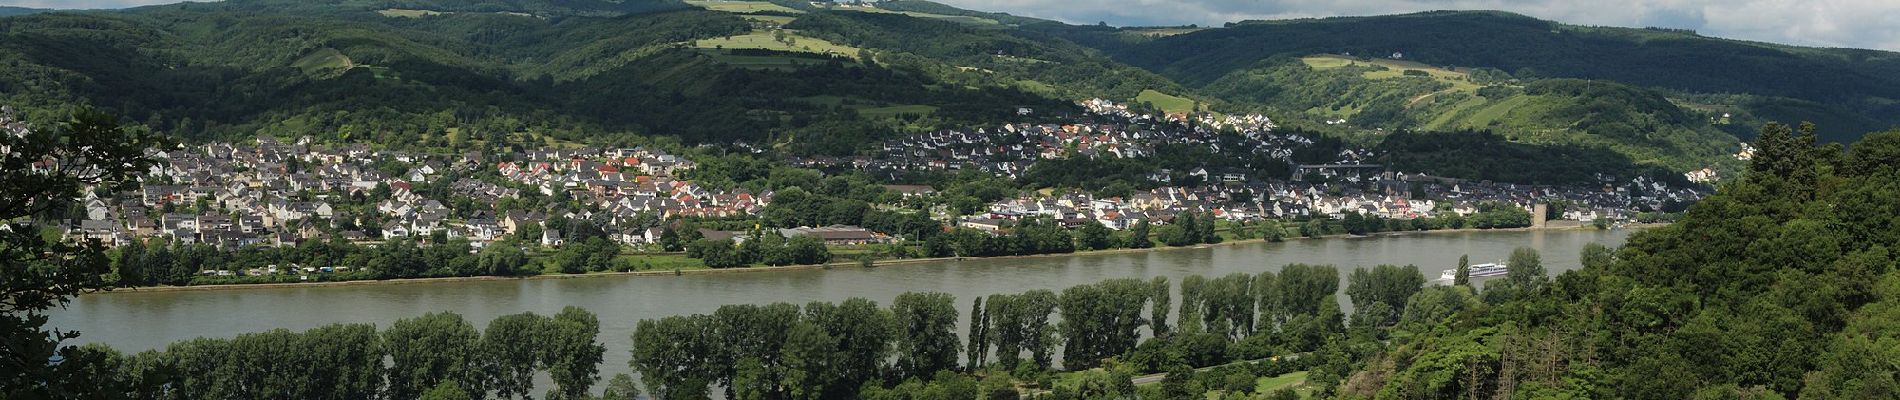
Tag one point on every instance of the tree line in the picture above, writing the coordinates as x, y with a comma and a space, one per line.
432, 356
857, 349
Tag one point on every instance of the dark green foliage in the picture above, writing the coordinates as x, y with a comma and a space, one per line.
428, 350
447, 390
1007, 55
1138, 235
570, 353
1089, 173
37, 274
1384, 285
1775, 287
1020, 323
1487, 156
339, 72
1029, 236
863, 334
1227, 306
927, 338
431, 356
1093, 236
1304, 289
1101, 320
675, 358
509, 348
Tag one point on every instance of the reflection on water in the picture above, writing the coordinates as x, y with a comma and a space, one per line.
133, 321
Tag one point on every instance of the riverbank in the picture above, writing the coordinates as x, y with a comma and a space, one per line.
839, 264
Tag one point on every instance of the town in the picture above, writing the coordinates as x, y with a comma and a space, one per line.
277, 193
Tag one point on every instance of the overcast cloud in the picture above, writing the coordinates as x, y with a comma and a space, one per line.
1833, 23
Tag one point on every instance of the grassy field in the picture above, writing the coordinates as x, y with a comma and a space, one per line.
1295, 380
1495, 111
740, 7
1166, 102
1458, 78
765, 40
405, 13
325, 59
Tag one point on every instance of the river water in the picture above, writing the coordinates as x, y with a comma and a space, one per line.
132, 321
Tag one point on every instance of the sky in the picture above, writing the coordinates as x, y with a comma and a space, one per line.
1871, 24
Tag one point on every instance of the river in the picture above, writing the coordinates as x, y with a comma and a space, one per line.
133, 321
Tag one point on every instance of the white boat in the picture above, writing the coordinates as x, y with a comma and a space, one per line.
1477, 271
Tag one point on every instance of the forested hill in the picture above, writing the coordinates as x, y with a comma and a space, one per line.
493, 71
810, 78
540, 8
1783, 285
10, 11
1847, 91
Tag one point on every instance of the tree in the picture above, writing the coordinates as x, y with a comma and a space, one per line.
863, 333
571, 353
807, 250
508, 353
926, 333
447, 390
1181, 384
1102, 320
754, 336
1525, 270
1463, 277
428, 350
1186, 230
1304, 289
89, 149
620, 387
1355, 223
677, 357
1207, 229
979, 344
1094, 236
1175, 235
1312, 228
1272, 231
1386, 284
1158, 310
808, 358
1435, 304
1138, 236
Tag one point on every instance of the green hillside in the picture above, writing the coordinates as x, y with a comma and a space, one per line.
1780, 286
1848, 91
1642, 125
834, 79
348, 71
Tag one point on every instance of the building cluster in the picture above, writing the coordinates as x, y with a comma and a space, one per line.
1391, 195
273, 193
278, 193
1112, 131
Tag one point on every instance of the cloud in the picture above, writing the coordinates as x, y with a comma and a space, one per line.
1834, 23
